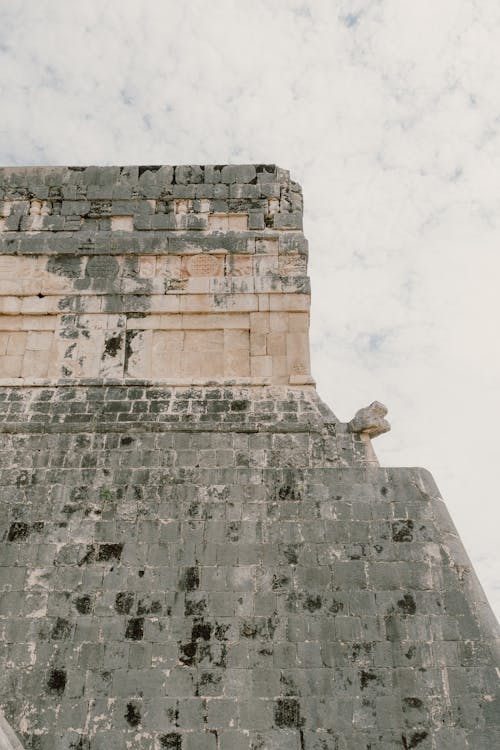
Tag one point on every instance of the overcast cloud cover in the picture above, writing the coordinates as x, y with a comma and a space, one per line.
388, 114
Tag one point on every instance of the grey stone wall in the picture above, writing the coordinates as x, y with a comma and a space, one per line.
155, 601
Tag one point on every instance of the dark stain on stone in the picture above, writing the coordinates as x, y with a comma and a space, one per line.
171, 741
89, 556
112, 345
109, 552
141, 574
288, 685
210, 678
188, 654
82, 743
412, 740
239, 405
61, 630
173, 715
407, 604
57, 681
366, 677
312, 603
190, 579
336, 606
287, 713
233, 531
291, 553
202, 630
142, 169
135, 629
221, 631
153, 607
133, 715
129, 337
195, 608
65, 265
289, 493
413, 702
18, 532
279, 582
126, 440
402, 531
384, 491
23, 479
84, 604
248, 629
124, 602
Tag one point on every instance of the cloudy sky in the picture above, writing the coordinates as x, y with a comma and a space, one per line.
388, 114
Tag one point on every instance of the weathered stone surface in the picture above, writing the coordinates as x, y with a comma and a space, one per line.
370, 420
193, 558
113, 278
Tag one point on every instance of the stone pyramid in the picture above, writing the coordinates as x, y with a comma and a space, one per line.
195, 553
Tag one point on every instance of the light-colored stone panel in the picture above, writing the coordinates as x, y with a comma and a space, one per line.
164, 341
151, 322
218, 223
298, 322
10, 305
4, 340
168, 303
39, 340
261, 366
280, 369
215, 320
263, 302
122, 223
258, 344
17, 343
11, 366
259, 322
236, 339
237, 222
277, 344
236, 363
290, 302
204, 341
166, 364
297, 352
35, 364
203, 264
278, 322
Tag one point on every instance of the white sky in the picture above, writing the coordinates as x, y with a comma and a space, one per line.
388, 114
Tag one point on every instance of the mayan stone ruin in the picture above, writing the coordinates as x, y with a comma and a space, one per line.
196, 554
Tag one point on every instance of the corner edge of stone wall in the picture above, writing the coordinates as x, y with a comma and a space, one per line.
453, 549
8, 738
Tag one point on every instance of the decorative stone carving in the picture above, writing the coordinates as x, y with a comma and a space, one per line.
370, 420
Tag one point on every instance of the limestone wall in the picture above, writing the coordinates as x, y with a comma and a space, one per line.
181, 275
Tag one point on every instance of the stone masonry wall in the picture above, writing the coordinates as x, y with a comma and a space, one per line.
180, 275
195, 554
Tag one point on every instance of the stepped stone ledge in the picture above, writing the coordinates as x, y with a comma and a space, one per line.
195, 553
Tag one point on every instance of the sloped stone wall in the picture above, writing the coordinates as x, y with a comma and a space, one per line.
152, 603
